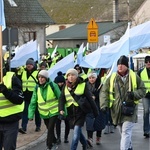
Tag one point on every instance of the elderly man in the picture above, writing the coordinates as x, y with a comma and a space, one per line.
121, 87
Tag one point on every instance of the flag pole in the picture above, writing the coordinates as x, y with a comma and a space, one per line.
1, 55
129, 24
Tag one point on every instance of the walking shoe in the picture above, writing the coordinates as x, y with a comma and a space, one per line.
112, 129
58, 141
90, 142
54, 147
21, 130
66, 141
146, 135
106, 131
98, 141
37, 129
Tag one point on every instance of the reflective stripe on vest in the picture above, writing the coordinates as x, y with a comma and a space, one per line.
78, 91
145, 79
48, 106
6, 107
111, 89
28, 83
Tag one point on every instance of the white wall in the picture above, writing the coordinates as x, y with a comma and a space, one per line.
143, 14
52, 29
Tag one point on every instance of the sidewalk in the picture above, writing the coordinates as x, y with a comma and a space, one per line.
32, 138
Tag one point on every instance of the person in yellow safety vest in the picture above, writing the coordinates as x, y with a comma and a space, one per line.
11, 107
73, 94
43, 66
46, 95
29, 79
115, 92
81, 72
144, 74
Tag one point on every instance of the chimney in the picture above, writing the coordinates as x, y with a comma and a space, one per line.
62, 27
115, 11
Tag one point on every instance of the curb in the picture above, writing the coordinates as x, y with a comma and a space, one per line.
34, 143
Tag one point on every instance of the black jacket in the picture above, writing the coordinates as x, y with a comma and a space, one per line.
75, 114
15, 95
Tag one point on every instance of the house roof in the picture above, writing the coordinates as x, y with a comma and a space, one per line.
78, 11
79, 31
26, 12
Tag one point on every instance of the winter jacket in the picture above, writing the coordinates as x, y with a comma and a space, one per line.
116, 114
15, 96
35, 102
98, 123
75, 114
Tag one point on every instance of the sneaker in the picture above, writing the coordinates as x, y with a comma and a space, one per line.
146, 135
37, 129
112, 129
98, 141
21, 130
90, 142
106, 131
54, 147
66, 141
58, 141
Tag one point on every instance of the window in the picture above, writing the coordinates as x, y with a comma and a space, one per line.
28, 36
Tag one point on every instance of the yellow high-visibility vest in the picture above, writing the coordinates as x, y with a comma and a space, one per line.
30, 82
111, 91
49, 106
145, 79
78, 91
6, 107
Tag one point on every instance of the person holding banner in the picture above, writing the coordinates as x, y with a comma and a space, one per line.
11, 108
121, 93
77, 98
46, 94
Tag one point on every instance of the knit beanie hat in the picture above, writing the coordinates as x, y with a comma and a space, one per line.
72, 71
92, 74
30, 62
44, 73
60, 78
123, 60
147, 58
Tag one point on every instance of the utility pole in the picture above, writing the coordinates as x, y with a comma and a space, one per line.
128, 3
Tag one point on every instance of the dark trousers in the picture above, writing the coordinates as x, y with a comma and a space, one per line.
50, 124
8, 135
25, 117
58, 128
90, 134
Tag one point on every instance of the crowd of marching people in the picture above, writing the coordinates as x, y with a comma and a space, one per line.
81, 96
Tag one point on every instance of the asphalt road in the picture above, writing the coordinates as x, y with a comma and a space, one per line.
108, 141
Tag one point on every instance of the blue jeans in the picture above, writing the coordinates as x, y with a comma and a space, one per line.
78, 135
25, 117
146, 121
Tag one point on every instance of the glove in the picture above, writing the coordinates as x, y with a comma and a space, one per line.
61, 117
104, 110
2, 88
130, 95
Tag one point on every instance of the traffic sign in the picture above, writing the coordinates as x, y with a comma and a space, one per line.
92, 31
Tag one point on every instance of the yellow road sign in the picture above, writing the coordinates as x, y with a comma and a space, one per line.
92, 31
